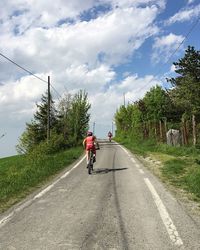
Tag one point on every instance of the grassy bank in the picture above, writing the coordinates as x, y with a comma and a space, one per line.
180, 166
20, 175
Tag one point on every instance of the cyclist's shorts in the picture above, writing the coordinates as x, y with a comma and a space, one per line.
88, 147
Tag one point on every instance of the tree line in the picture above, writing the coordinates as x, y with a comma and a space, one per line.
162, 109
69, 121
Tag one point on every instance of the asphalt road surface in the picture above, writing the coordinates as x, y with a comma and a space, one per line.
120, 206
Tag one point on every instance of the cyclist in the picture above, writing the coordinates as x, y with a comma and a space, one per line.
89, 144
109, 135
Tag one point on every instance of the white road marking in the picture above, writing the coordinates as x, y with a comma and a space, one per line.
54, 183
124, 150
137, 166
171, 229
133, 160
5, 219
44, 191
141, 171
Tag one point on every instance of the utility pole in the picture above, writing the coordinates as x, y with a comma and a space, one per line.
112, 127
93, 127
124, 100
48, 111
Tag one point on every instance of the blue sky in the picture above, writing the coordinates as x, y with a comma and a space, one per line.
107, 47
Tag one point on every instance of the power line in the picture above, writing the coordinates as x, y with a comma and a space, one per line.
28, 71
55, 91
186, 36
189, 32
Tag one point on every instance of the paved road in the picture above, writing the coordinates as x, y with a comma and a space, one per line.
120, 206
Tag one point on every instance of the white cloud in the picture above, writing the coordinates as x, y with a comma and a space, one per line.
165, 46
104, 104
21, 15
18, 99
185, 15
113, 37
172, 69
191, 1
127, 3
26, 13
77, 55
78, 77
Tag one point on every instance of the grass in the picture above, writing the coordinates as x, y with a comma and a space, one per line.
20, 175
180, 165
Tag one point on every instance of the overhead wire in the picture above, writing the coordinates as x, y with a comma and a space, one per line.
28, 71
186, 36
178, 47
59, 96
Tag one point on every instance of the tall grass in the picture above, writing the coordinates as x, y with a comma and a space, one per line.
19, 175
181, 165
193, 181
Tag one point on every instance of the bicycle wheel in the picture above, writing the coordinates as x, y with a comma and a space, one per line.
90, 166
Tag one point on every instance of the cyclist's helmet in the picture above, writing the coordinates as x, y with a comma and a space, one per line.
89, 133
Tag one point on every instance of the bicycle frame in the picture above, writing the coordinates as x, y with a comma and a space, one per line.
90, 163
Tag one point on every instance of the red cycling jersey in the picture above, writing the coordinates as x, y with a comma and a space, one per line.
89, 142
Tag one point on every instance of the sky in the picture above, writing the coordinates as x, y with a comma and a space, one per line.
116, 50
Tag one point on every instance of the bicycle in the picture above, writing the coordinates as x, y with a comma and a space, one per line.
91, 162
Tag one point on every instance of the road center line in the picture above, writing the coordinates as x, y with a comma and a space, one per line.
5, 219
171, 229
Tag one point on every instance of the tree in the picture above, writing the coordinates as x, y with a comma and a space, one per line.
41, 115
156, 102
36, 130
79, 116
64, 107
186, 85
123, 119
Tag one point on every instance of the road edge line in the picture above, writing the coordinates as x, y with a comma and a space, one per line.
8, 217
171, 229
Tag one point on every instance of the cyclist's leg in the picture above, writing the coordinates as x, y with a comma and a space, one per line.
87, 155
94, 154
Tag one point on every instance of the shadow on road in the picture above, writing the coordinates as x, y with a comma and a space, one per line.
107, 170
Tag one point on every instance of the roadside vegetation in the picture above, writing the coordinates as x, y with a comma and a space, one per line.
40, 159
177, 166
143, 125
21, 175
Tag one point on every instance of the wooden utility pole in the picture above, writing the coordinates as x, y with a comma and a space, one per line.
194, 130
93, 127
112, 127
161, 130
48, 111
124, 100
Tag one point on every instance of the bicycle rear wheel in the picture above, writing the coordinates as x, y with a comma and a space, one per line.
90, 164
